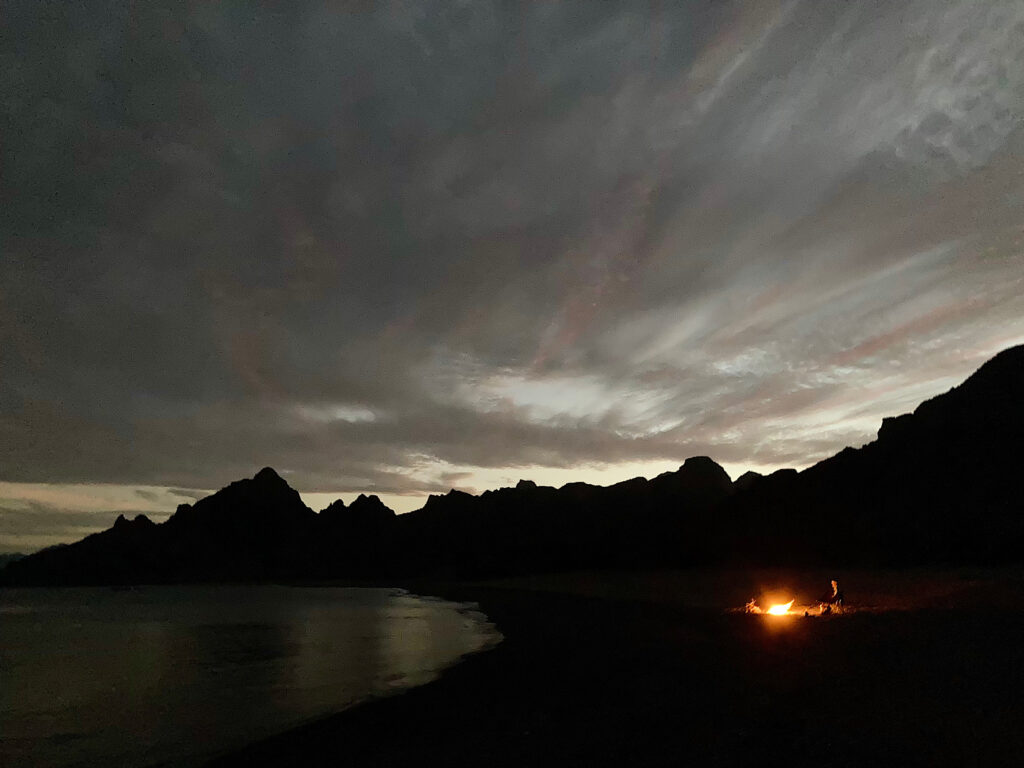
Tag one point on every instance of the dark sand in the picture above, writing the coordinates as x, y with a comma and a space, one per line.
646, 678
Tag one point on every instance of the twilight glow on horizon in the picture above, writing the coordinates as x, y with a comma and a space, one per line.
401, 247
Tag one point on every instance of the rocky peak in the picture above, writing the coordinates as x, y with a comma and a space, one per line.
705, 470
371, 505
267, 477
140, 521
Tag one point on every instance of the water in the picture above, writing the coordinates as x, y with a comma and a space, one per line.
174, 675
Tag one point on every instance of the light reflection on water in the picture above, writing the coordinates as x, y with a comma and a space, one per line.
176, 674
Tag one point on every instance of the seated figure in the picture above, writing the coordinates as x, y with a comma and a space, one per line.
833, 601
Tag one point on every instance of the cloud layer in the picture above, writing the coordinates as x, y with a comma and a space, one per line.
402, 246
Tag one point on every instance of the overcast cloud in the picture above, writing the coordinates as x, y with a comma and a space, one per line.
399, 247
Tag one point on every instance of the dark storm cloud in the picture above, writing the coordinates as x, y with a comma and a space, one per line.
381, 245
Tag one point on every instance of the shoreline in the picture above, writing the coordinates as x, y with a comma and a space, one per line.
641, 678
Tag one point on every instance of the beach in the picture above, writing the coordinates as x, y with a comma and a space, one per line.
629, 669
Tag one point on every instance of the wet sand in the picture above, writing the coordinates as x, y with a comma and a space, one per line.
627, 670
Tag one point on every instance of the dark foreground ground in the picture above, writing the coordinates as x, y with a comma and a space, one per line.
593, 681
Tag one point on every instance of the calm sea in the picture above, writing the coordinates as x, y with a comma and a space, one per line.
174, 675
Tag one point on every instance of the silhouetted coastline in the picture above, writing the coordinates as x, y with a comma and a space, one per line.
615, 661
625, 670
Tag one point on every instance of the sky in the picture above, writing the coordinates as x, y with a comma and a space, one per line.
401, 247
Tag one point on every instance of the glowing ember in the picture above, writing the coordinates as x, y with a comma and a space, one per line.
781, 609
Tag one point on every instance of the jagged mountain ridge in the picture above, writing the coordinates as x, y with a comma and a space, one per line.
256, 528
937, 485
259, 529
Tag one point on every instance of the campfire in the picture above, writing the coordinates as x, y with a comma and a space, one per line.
781, 609
777, 609
787, 609
828, 605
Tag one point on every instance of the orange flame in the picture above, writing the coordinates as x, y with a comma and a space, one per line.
782, 609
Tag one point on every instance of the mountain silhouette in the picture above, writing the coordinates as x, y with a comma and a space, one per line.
532, 528
937, 486
355, 540
10, 557
253, 528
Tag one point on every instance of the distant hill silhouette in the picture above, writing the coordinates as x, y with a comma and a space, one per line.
353, 540
532, 528
937, 486
251, 528
10, 557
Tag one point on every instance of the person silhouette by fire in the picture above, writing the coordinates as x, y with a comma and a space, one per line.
833, 601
